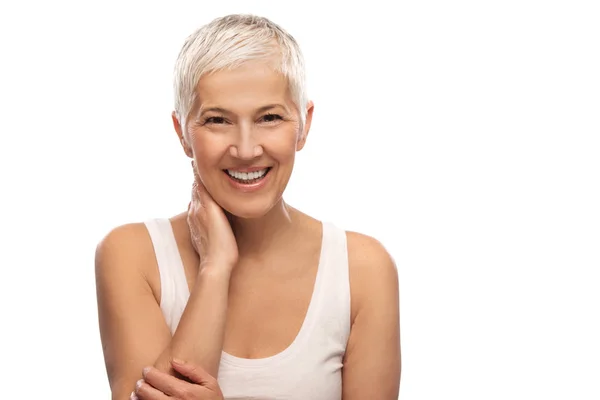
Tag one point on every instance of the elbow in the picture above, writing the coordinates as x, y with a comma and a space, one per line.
164, 365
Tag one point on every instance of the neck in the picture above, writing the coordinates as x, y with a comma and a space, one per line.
255, 235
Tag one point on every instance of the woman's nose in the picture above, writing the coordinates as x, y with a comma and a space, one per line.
245, 146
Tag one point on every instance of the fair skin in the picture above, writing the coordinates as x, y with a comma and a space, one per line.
231, 241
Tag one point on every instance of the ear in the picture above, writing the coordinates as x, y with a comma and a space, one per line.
302, 138
179, 129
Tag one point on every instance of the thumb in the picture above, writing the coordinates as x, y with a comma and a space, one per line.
193, 372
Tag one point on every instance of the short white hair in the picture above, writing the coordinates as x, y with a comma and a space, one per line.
226, 43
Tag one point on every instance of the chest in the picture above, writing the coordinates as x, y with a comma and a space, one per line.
267, 308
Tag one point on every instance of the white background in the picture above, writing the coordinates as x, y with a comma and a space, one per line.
464, 135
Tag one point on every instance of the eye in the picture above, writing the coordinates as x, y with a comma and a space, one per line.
272, 117
214, 120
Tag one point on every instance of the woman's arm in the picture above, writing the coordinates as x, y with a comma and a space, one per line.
133, 330
372, 361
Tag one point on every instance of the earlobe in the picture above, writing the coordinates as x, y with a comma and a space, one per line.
300, 143
187, 149
179, 129
302, 138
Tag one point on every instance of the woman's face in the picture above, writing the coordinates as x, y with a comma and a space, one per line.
243, 133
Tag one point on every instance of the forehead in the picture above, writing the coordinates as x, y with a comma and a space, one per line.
250, 85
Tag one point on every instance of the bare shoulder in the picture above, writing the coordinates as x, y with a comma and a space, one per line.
125, 252
367, 256
373, 272
367, 252
130, 240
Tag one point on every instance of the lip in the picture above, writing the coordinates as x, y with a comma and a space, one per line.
248, 188
248, 169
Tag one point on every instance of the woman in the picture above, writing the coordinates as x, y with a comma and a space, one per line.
243, 296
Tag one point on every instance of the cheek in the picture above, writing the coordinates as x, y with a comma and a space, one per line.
206, 157
208, 149
283, 146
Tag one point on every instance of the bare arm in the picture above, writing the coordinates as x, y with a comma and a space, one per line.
372, 361
199, 336
133, 331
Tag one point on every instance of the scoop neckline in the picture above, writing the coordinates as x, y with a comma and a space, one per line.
307, 324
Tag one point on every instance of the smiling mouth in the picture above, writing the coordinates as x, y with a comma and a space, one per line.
248, 178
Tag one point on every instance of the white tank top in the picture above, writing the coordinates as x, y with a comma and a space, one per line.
311, 367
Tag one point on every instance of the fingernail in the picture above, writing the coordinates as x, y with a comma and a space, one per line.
178, 361
132, 396
138, 384
145, 371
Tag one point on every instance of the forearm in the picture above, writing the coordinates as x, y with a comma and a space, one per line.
199, 336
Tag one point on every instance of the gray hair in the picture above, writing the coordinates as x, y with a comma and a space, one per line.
226, 43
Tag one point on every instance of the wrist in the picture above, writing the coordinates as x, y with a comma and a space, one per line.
215, 270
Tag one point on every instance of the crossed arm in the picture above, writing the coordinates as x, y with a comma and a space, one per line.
133, 331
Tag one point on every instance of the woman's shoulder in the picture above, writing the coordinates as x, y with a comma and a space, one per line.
365, 251
124, 251
134, 238
129, 237
372, 270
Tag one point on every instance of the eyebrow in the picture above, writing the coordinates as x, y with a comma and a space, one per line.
213, 109
224, 111
270, 106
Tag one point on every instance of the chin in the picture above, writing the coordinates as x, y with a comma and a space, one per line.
248, 210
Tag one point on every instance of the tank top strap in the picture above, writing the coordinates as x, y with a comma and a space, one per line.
336, 246
335, 307
173, 284
336, 253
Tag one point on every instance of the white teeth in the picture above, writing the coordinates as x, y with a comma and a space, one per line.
247, 176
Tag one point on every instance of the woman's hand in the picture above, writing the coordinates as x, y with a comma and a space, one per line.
158, 385
210, 229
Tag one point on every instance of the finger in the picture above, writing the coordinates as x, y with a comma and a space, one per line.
195, 170
196, 190
194, 372
164, 382
199, 192
197, 179
201, 198
145, 391
196, 201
